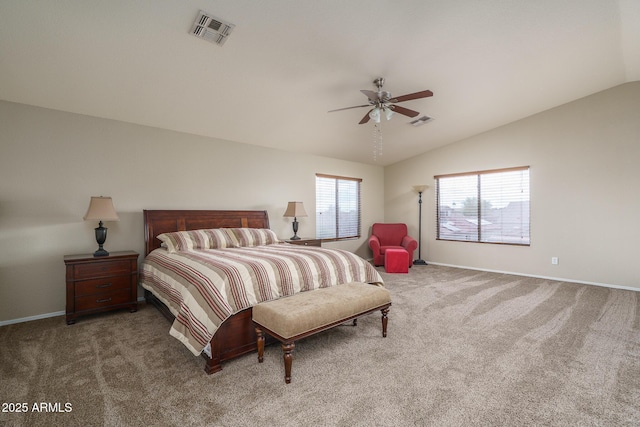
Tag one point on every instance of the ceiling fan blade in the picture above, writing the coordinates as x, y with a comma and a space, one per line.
404, 111
417, 95
373, 96
348, 108
366, 118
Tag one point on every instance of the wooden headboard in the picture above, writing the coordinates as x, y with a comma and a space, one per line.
157, 222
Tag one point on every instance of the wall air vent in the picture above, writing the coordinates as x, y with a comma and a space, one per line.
421, 121
210, 28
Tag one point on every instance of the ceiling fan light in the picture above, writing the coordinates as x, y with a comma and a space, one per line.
375, 115
388, 112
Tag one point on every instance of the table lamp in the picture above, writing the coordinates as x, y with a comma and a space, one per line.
101, 209
295, 210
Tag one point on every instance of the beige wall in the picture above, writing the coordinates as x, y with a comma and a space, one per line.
585, 195
52, 162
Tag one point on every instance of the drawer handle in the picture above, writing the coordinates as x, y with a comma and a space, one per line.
106, 285
103, 300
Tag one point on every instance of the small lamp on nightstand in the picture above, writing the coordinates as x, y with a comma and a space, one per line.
294, 210
101, 209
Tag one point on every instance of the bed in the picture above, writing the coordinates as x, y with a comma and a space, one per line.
230, 328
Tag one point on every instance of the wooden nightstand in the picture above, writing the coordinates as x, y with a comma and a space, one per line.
306, 242
96, 284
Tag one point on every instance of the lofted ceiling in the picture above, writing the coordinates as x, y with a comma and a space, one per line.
287, 63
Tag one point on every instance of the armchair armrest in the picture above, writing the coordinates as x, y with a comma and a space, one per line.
409, 243
374, 244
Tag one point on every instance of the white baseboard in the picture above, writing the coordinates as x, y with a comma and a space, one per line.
557, 279
40, 316
30, 318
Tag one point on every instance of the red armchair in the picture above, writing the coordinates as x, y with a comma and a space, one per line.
387, 236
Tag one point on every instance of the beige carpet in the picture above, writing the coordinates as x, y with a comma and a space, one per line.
464, 348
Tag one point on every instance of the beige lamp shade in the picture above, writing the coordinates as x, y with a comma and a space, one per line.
101, 209
420, 188
295, 209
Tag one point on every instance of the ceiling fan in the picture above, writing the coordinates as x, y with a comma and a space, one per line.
383, 103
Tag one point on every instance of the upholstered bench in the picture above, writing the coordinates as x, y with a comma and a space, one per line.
396, 261
301, 315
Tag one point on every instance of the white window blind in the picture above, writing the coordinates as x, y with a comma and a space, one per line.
502, 216
337, 207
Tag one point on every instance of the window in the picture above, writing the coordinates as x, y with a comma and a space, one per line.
337, 207
502, 216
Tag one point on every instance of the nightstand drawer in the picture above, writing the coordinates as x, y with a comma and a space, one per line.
103, 300
306, 242
100, 286
93, 270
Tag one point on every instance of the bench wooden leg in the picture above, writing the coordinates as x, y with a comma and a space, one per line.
260, 335
287, 349
385, 319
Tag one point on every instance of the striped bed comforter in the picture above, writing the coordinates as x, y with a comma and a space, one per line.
202, 288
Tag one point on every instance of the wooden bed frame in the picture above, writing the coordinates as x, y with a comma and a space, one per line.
236, 335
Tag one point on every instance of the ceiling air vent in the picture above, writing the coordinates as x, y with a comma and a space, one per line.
210, 28
420, 121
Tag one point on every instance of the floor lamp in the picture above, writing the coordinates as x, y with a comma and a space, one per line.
420, 189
